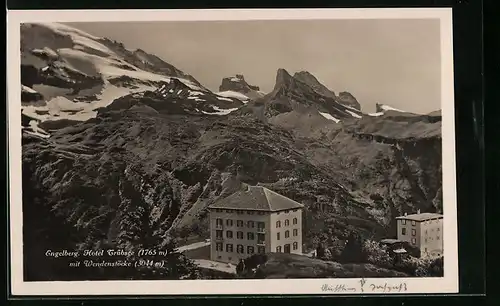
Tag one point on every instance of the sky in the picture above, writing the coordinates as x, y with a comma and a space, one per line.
394, 62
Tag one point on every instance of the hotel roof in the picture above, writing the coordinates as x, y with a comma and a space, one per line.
421, 217
257, 198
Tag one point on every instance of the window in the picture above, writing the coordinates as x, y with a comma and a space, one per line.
403, 231
287, 234
278, 223
425, 250
261, 250
218, 234
250, 249
239, 235
261, 225
294, 220
287, 222
278, 249
437, 237
260, 238
403, 222
229, 234
413, 223
295, 245
425, 240
239, 223
229, 222
250, 224
218, 222
250, 212
228, 211
413, 232
413, 241
438, 229
278, 236
240, 212
295, 232
240, 249
250, 236
229, 248
218, 246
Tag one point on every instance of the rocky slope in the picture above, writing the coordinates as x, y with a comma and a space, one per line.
147, 163
236, 86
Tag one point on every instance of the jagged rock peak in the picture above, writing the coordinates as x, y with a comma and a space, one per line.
348, 99
309, 79
237, 83
283, 78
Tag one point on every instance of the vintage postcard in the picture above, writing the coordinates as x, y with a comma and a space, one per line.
211, 152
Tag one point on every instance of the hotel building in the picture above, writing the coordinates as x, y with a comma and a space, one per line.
422, 230
254, 220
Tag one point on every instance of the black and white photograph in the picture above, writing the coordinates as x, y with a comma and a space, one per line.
232, 147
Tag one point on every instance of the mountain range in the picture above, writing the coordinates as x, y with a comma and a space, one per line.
110, 132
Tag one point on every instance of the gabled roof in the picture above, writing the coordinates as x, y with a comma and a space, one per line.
421, 217
257, 198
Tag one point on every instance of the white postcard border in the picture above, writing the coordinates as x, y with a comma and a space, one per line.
446, 284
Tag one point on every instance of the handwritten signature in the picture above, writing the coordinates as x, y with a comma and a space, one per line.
366, 287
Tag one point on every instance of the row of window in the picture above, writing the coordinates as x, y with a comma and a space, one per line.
239, 223
239, 235
251, 236
287, 233
287, 222
414, 240
413, 222
251, 212
414, 231
240, 249
251, 224
295, 247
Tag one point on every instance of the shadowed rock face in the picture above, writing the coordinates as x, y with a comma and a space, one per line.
347, 98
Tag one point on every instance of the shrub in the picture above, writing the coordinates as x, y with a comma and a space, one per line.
423, 267
377, 254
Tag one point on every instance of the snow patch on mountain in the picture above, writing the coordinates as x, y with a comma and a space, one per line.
390, 108
353, 114
329, 117
233, 94
220, 111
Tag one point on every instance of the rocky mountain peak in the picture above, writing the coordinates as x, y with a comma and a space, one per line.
283, 78
348, 99
309, 79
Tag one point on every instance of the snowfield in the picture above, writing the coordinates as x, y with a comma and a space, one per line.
84, 59
220, 111
232, 94
329, 117
353, 114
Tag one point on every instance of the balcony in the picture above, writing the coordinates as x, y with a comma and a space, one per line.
219, 238
261, 230
219, 226
261, 242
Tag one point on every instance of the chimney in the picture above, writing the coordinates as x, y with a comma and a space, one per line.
418, 211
